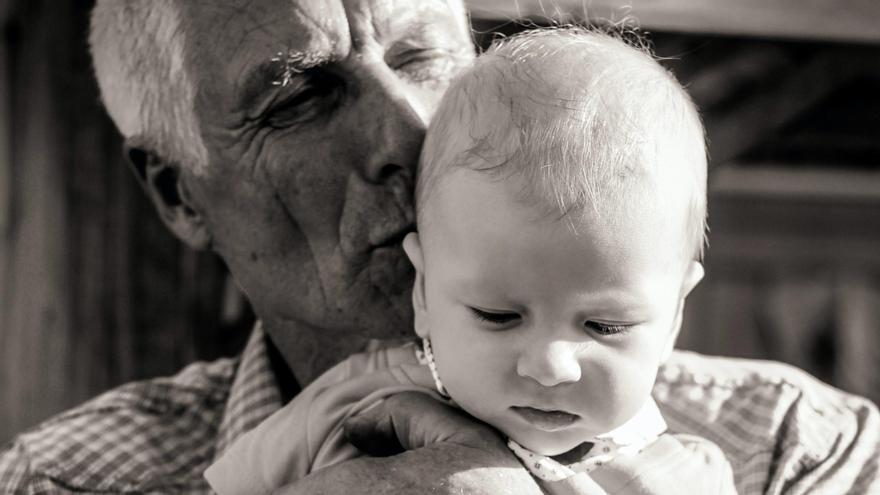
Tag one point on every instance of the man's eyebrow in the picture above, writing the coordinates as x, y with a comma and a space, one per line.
276, 71
424, 29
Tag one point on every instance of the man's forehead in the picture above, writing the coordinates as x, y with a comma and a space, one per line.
234, 39
245, 31
270, 25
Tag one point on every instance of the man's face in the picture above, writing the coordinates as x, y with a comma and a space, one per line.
552, 336
308, 189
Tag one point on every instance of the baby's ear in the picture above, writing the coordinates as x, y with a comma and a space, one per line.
412, 245
692, 277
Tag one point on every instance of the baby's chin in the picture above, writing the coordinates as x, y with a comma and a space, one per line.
550, 444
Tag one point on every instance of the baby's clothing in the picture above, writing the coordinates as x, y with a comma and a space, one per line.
307, 435
628, 439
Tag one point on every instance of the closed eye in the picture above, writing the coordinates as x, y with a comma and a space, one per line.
496, 318
606, 329
427, 65
314, 96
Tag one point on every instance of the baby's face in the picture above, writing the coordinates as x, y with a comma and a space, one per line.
550, 336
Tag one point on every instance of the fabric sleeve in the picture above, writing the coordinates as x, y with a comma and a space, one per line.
276, 452
851, 463
667, 466
14, 470
783, 431
307, 434
17, 477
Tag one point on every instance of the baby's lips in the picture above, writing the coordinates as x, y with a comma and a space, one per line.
549, 420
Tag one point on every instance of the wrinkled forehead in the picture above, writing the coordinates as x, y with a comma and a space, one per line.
225, 39
224, 36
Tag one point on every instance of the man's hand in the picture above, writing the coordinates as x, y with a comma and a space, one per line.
445, 452
412, 420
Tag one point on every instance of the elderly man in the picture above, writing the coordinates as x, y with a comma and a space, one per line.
284, 136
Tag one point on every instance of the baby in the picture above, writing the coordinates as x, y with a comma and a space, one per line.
561, 207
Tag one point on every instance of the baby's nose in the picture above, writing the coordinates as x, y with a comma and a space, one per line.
551, 364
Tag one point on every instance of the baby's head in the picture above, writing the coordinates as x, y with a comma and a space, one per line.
561, 208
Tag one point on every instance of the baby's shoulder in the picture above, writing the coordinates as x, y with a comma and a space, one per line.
377, 358
672, 464
692, 456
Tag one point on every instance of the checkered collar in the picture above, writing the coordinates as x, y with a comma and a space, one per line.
254, 394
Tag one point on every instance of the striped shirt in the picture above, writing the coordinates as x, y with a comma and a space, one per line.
782, 430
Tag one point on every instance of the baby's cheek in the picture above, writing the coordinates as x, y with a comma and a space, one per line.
462, 369
469, 374
616, 390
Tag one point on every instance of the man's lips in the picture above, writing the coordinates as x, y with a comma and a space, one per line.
547, 420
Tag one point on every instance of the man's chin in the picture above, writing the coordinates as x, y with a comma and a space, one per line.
372, 299
384, 319
386, 311
390, 271
376, 303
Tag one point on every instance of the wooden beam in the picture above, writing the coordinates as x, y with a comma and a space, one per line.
5, 168
778, 181
5, 144
752, 119
835, 20
35, 331
792, 230
5, 9
857, 367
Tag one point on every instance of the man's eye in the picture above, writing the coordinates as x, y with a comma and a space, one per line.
427, 65
606, 329
312, 99
496, 318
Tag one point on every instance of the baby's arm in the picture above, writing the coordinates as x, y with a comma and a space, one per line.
307, 434
273, 453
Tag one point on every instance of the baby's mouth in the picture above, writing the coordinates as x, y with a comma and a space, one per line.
547, 420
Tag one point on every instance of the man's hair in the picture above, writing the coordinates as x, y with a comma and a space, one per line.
139, 54
584, 118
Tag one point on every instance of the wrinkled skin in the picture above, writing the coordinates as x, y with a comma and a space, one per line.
307, 197
308, 189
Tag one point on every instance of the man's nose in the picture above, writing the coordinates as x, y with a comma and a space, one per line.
550, 364
399, 115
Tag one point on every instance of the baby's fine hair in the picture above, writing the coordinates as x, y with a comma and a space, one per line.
585, 118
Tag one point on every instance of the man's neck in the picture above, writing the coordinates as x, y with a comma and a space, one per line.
288, 386
306, 352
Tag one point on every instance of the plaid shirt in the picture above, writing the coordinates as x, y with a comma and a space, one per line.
781, 430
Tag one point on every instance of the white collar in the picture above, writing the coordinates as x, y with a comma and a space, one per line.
627, 439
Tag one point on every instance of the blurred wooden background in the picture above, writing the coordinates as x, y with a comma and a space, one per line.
94, 292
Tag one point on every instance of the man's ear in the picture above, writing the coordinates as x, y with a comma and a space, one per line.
412, 245
162, 181
692, 277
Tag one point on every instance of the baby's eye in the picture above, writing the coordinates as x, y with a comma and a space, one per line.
496, 318
605, 328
